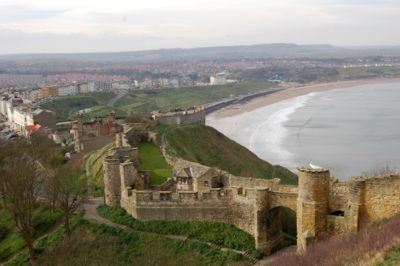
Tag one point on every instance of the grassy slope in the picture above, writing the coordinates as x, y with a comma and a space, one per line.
147, 101
209, 147
94, 160
93, 244
213, 232
12, 241
152, 160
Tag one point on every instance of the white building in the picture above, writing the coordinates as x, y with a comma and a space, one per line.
91, 86
218, 79
121, 85
67, 90
22, 116
19, 118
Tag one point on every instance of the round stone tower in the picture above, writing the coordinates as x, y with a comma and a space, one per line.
112, 181
312, 205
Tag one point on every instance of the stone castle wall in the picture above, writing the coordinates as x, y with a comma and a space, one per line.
232, 206
248, 182
338, 197
323, 206
380, 199
184, 119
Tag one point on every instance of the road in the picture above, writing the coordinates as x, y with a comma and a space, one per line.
116, 98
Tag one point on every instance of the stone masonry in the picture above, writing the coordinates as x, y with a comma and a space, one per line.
323, 206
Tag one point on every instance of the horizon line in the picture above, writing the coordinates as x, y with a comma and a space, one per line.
211, 46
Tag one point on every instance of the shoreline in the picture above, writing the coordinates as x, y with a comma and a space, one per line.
292, 92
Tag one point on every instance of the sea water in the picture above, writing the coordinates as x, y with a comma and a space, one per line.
349, 131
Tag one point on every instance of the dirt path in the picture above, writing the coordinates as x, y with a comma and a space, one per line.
90, 207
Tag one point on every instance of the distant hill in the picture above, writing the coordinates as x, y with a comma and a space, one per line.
277, 50
207, 146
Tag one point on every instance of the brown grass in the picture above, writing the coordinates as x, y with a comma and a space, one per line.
350, 249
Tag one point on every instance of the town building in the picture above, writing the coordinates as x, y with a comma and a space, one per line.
49, 91
67, 90
102, 85
218, 79
83, 87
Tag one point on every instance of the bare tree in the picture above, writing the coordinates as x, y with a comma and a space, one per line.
66, 189
21, 181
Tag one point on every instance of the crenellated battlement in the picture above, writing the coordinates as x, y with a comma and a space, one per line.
147, 197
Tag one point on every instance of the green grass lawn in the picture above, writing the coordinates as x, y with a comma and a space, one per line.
209, 147
11, 242
152, 161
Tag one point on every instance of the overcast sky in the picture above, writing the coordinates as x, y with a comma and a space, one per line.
32, 26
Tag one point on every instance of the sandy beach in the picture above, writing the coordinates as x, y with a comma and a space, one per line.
295, 92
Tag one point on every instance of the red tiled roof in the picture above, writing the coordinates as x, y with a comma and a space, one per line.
33, 128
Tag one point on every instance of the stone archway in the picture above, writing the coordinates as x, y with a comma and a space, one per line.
281, 231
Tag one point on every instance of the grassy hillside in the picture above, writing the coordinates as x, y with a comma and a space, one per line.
93, 244
147, 101
10, 239
94, 167
207, 146
64, 107
225, 235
